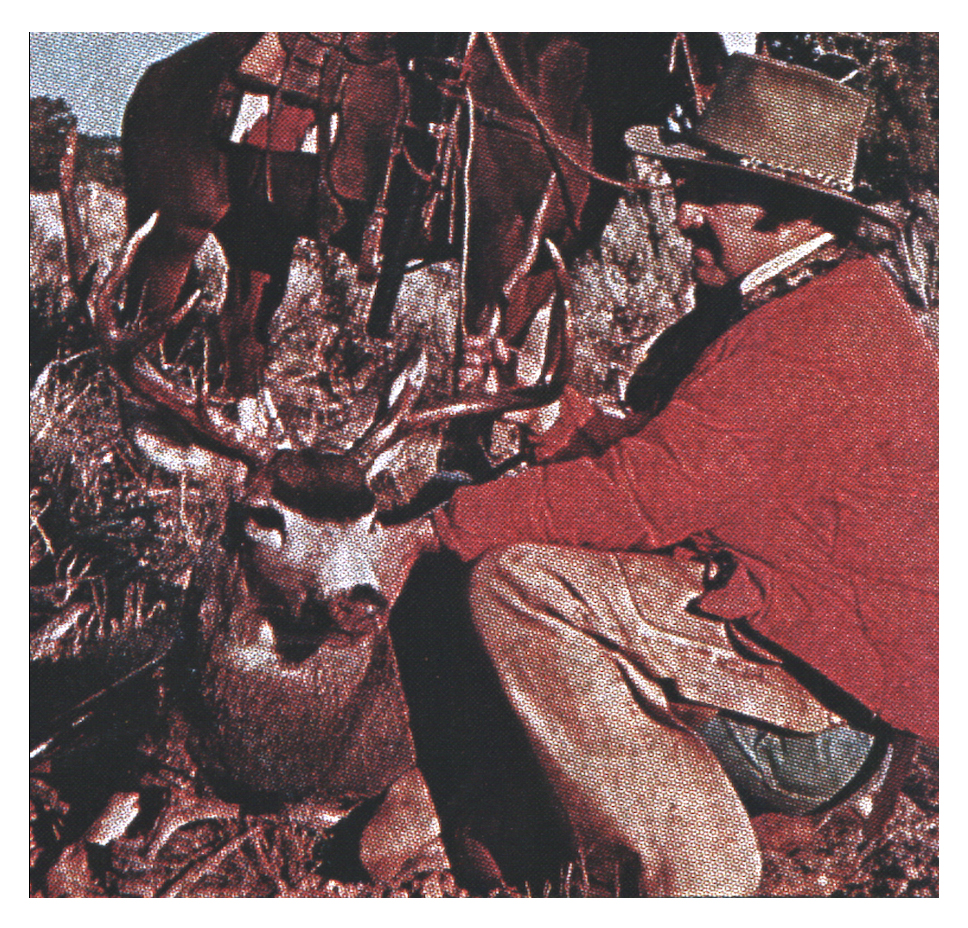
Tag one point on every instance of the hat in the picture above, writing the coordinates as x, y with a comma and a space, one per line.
774, 120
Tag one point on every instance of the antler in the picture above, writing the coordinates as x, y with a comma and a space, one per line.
139, 375
121, 350
400, 417
542, 386
389, 425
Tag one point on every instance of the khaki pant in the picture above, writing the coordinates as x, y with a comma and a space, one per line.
580, 641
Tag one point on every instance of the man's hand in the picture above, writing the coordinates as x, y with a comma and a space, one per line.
488, 361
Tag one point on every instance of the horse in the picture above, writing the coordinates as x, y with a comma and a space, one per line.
423, 147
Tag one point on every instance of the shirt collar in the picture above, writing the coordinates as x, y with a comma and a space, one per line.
781, 262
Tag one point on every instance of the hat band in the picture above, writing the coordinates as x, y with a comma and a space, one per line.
784, 172
779, 171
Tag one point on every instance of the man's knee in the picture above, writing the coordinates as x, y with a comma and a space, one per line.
500, 580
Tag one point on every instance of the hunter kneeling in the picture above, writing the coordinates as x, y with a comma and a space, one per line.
732, 604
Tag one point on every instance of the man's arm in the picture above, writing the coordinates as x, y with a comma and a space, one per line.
708, 456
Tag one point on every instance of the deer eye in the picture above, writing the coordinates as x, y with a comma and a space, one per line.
266, 517
265, 525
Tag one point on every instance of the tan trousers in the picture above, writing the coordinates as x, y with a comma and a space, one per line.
580, 640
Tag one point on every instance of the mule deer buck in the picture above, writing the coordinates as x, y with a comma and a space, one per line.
298, 701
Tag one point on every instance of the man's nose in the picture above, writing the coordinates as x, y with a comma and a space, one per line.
689, 216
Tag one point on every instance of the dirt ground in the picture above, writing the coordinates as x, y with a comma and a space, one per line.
265, 854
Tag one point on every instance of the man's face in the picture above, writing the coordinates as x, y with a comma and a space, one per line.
727, 231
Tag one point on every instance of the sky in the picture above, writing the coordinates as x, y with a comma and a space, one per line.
95, 72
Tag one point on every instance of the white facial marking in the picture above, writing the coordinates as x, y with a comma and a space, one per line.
324, 557
258, 653
264, 536
267, 637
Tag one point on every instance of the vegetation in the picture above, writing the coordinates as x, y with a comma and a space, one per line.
899, 72
98, 157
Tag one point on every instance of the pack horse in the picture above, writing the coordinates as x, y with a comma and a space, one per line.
395, 148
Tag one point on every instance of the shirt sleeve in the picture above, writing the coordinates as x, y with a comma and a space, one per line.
677, 475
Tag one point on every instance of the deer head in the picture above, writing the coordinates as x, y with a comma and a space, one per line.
294, 614
304, 521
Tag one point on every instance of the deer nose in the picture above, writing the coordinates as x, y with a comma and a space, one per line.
359, 610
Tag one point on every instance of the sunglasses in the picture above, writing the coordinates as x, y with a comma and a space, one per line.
707, 188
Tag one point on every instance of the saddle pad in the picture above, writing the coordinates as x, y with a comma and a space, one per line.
266, 61
274, 126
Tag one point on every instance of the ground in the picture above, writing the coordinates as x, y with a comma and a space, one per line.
113, 540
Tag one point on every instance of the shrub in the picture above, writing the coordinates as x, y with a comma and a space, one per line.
98, 157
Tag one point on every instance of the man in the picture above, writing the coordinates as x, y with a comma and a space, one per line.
736, 597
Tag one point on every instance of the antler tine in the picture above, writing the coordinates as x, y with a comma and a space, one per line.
118, 342
146, 380
488, 404
561, 327
100, 305
403, 396
558, 359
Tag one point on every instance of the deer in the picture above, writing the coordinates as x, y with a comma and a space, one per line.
298, 701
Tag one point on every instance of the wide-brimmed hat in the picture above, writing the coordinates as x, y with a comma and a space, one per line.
773, 120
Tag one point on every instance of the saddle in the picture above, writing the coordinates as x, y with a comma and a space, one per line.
323, 95
288, 82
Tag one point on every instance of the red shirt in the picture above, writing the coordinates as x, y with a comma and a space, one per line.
805, 441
